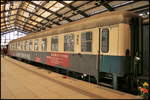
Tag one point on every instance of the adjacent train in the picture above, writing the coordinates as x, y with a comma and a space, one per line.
103, 45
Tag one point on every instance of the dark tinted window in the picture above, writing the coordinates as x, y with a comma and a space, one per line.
86, 41
30, 45
69, 42
26, 45
36, 44
105, 40
44, 44
21, 45
18, 45
54, 43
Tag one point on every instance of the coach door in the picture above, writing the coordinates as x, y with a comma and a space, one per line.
108, 49
103, 46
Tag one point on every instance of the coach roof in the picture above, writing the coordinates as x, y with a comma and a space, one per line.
98, 20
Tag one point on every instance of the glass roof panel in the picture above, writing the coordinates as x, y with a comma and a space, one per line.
2, 7
2, 20
49, 4
7, 6
26, 14
34, 17
22, 19
12, 17
38, 2
39, 19
56, 7
6, 13
2, 24
40, 11
14, 12
46, 14
31, 8
16, 4
6, 19
1, 14
34, 23
7, 22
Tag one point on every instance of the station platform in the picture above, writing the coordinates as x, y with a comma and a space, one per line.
24, 81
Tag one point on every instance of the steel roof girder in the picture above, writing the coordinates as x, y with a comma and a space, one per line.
58, 15
74, 9
39, 16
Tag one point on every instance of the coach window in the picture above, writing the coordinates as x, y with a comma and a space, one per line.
105, 40
86, 41
18, 47
36, 44
13, 46
69, 42
26, 45
21, 45
54, 43
44, 44
30, 45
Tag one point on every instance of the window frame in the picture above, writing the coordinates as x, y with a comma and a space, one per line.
45, 48
69, 43
105, 45
36, 44
30, 45
86, 41
52, 40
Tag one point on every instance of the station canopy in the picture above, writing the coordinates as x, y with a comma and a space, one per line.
33, 16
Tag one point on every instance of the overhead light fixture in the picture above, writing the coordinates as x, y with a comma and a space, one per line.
141, 14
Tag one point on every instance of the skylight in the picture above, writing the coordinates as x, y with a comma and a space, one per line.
56, 7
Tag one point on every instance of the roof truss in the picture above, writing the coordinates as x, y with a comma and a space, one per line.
71, 11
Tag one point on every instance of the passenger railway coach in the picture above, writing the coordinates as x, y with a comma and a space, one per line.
99, 46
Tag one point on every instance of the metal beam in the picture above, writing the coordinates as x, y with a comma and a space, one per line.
4, 2
74, 9
32, 20
5, 28
31, 15
21, 21
14, 29
18, 12
4, 16
26, 23
106, 5
145, 6
26, 26
24, 17
7, 21
6, 25
8, 16
55, 13
141, 10
40, 16
11, 27
8, 10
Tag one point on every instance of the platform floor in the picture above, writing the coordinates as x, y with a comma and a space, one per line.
23, 81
